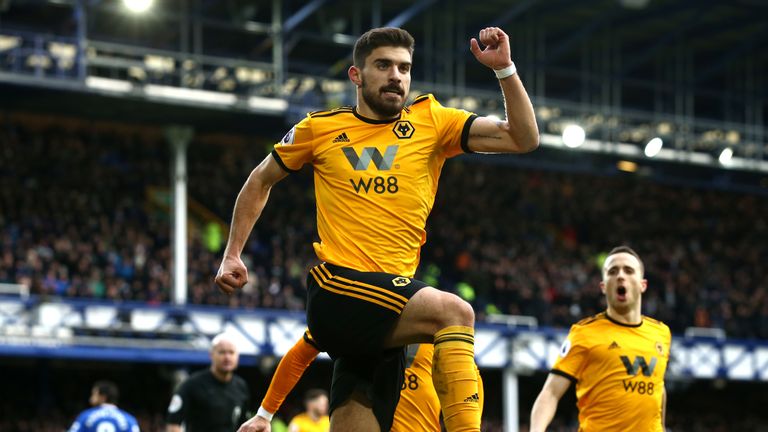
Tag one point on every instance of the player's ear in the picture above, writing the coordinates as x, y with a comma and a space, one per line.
355, 75
602, 287
643, 285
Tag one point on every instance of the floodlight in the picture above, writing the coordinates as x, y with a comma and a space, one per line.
138, 6
726, 156
573, 136
653, 147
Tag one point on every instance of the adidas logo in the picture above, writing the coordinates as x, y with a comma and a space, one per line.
473, 398
614, 345
341, 138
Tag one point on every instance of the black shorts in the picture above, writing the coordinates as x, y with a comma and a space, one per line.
349, 313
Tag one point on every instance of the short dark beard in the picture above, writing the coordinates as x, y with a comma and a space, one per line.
376, 103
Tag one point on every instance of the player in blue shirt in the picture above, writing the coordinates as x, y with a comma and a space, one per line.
105, 416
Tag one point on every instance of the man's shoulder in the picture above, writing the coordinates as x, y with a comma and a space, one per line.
422, 104
587, 330
423, 100
331, 111
201, 374
106, 411
657, 325
300, 419
86, 413
199, 377
130, 417
329, 121
239, 381
133, 424
331, 115
590, 321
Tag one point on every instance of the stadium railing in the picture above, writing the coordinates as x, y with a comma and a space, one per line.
36, 327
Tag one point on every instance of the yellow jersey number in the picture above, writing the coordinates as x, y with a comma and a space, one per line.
411, 382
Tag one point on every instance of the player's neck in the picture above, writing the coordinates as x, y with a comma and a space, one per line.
364, 110
222, 376
630, 316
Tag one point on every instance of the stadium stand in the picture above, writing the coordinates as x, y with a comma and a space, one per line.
86, 200
80, 219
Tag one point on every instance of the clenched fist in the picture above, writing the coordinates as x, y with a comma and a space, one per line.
496, 54
256, 424
232, 275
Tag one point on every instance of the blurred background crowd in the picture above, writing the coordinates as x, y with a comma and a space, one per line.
86, 214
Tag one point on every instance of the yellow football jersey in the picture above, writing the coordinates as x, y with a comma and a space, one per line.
375, 180
619, 372
419, 407
304, 423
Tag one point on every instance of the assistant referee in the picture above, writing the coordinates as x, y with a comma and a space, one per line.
212, 400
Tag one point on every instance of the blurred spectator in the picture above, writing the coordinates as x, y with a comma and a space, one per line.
315, 416
77, 220
104, 415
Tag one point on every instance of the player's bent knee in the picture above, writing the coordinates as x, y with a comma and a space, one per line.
458, 312
426, 313
445, 309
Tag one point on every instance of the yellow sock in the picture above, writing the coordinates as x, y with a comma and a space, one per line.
455, 377
480, 391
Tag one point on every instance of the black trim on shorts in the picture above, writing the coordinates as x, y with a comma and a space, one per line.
308, 339
280, 162
465, 133
349, 314
564, 375
356, 289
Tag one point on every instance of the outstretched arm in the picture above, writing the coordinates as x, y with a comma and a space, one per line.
518, 133
289, 371
250, 202
546, 403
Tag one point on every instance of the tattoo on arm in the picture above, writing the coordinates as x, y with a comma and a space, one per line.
496, 137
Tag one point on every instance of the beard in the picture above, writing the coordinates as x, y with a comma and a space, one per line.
378, 104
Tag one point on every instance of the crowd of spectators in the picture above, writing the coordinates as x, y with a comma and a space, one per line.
48, 396
76, 221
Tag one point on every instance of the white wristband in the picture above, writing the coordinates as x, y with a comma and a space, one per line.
507, 71
264, 413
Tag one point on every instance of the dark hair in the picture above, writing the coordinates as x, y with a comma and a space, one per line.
108, 389
627, 250
313, 394
379, 37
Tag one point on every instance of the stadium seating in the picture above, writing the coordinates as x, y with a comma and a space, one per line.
77, 222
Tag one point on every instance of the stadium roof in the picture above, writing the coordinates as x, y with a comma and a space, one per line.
721, 41
656, 64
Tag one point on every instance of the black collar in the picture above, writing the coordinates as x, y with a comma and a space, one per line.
623, 324
373, 121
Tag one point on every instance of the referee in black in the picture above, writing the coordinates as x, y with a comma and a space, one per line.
212, 400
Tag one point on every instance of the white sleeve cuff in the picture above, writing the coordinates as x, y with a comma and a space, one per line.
265, 414
506, 72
